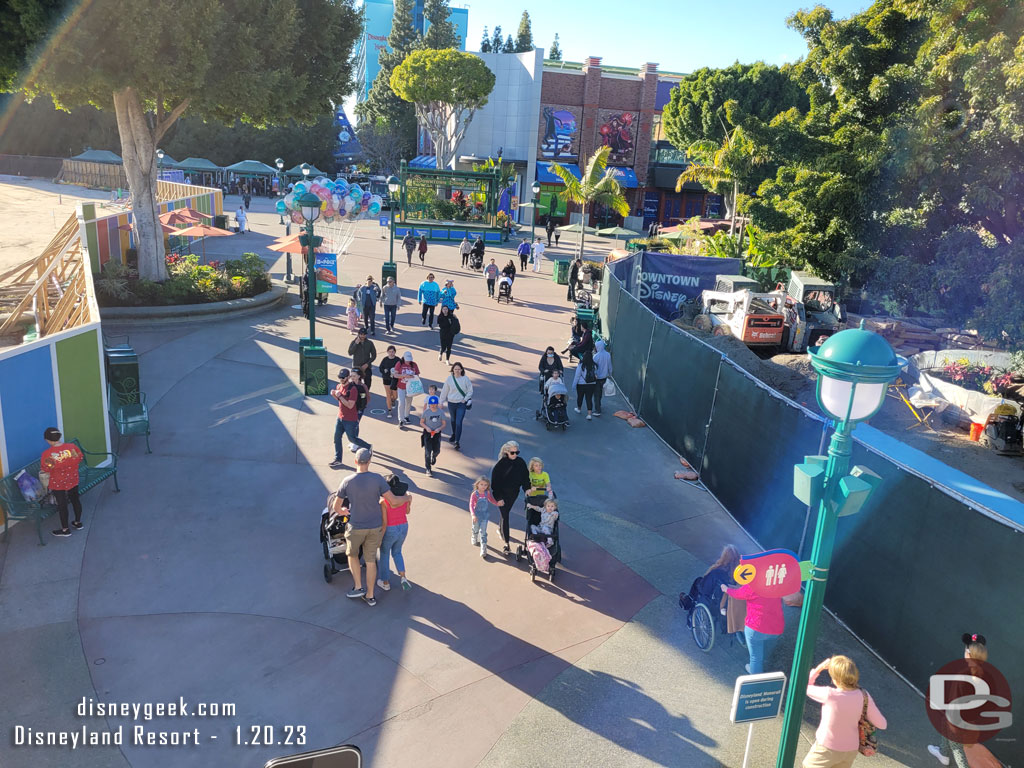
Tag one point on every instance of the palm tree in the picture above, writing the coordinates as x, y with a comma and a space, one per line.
598, 185
720, 164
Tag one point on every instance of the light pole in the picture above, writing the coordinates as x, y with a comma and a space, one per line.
280, 183
305, 172
159, 163
854, 369
393, 186
312, 354
533, 214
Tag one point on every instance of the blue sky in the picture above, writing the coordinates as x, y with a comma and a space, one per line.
680, 35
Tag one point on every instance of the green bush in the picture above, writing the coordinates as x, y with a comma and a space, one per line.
188, 282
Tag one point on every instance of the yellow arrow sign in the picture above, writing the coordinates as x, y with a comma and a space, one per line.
744, 573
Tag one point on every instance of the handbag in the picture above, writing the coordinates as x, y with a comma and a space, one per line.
469, 403
609, 388
414, 387
868, 743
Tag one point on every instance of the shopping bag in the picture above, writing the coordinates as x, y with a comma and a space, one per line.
414, 387
609, 388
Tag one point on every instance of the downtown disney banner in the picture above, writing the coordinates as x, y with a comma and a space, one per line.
664, 282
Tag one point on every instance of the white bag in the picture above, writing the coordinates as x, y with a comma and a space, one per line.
414, 387
609, 388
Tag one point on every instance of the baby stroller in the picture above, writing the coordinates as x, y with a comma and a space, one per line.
332, 537
555, 414
703, 615
476, 259
554, 550
504, 291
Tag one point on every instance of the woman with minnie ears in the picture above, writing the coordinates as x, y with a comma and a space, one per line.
967, 755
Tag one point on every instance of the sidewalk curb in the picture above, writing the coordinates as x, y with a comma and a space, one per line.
186, 313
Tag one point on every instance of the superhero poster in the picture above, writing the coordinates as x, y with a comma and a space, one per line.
559, 133
617, 129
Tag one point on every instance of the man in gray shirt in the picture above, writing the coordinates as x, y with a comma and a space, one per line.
433, 422
366, 523
390, 298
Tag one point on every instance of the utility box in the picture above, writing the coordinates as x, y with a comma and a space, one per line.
313, 365
560, 274
388, 269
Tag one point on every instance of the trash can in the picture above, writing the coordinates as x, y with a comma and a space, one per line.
388, 269
122, 369
560, 274
220, 221
303, 343
313, 362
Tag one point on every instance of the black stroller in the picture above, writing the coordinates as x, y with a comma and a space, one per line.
555, 414
332, 537
504, 291
704, 617
476, 259
554, 550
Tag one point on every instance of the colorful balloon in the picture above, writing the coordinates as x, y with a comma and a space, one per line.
297, 217
374, 207
355, 192
280, 207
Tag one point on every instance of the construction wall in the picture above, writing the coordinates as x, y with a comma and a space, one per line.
100, 175
918, 567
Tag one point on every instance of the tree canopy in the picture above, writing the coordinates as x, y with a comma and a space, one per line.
596, 186
485, 44
440, 30
524, 36
555, 52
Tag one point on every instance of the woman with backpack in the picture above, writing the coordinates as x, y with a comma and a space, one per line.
837, 742
449, 326
585, 382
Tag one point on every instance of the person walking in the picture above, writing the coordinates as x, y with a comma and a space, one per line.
457, 392
409, 243
367, 297
538, 253
363, 354
404, 372
837, 740
480, 502
428, 295
396, 518
432, 420
966, 755
549, 361
764, 619
386, 368
549, 228
524, 254
390, 298
61, 460
508, 476
465, 248
449, 326
422, 248
585, 381
558, 236
478, 249
491, 274
574, 276
448, 294
366, 523
347, 425
247, 199
240, 218
603, 361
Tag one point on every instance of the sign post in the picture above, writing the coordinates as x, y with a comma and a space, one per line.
756, 697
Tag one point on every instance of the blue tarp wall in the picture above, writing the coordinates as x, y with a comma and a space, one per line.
665, 282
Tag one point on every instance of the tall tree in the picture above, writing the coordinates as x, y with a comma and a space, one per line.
382, 106
596, 187
115, 54
440, 30
381, 148
524, 36
485, 44
555, 52
497, 41
509, 46
446, 88
24, 24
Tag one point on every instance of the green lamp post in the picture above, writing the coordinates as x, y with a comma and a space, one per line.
854, 369
393, 186
312, 354
533, 213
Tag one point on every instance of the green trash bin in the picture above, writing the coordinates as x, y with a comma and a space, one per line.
388, 269
122, 370
561, 272
220, 221
314, 370
303, 343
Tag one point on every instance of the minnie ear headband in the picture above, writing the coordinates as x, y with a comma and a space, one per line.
969, 639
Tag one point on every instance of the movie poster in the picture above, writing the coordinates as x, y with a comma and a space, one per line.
559, 133
617, 129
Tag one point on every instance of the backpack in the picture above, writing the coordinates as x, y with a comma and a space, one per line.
360, 398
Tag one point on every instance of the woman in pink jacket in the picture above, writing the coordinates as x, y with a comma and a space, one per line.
837, 739
764, 619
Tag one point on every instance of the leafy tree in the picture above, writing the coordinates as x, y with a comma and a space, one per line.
291, 63
440, 31
497, 41
555, 52
24, 24
446, 88
596, 187
507, 171
381, 148
485, 44
382, 107
509, 46
524, 36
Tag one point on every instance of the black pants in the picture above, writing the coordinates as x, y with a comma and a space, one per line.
431, 447
428, 312
585, 392
598, 392
522, 263
446, 346
369, 315
490, 287
505, 510
390, 310
465, 260
571, 293
366, 375
62, 498
408, 255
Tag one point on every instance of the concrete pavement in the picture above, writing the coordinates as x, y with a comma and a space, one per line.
202, 579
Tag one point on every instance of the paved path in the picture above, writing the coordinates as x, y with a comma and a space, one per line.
202, 578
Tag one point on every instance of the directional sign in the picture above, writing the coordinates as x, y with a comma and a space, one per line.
744, 573
384, 221
806, 568
757, 697
777, 572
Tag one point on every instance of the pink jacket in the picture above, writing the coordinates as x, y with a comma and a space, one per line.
840, 713
475, 497
764, 614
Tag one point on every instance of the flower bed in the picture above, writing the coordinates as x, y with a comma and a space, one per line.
188, 282
978, 377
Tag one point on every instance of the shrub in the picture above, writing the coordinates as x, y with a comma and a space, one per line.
188, 282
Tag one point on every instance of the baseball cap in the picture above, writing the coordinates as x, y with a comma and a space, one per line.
433, 400
363, 456
407, 356
361, 332
52, 433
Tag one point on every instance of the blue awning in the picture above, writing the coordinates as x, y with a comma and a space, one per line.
626, 177
423, 161
545, 176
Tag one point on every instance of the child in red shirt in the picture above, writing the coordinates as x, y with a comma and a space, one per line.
61, 460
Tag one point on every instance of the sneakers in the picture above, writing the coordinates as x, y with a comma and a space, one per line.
588, 417
451, 439
390, 416
352, 448
597, 413
433, 460
473, 541
405, 584
937, 754
354, 593
62, 532
576, 409
439, 357
385, 585
370, 601
457, 447
483, 551
76, 525
430, 472
337, 464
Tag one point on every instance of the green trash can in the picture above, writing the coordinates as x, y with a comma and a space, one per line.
388, 269
220, 221
561, 272
313, 363
303, 343
122, 370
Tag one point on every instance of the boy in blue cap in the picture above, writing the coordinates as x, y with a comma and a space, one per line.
433, 422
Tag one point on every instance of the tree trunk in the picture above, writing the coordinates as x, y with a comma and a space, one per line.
138, 151
583, 226
732, 209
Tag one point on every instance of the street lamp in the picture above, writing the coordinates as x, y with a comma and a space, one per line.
854, 369
533, 214
159, 162
305, 170
393, 186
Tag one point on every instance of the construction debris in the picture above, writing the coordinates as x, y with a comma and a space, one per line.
910, 336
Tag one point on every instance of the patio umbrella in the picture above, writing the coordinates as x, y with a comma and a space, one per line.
576, 228
677, 236
616, 232
290, 246
169, 230
203, 231
183, 216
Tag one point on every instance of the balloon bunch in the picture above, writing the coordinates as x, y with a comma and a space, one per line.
337, 200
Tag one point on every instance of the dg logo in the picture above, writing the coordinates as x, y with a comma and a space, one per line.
969, 701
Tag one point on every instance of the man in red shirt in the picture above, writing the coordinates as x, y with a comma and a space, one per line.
61, 460
348, 393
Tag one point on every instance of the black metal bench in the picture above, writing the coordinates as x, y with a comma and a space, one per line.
15, 506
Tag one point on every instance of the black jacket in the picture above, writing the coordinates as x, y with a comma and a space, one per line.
509, 271
386, 365
449, 325
508, 476
574, 272
478, 248
546, 369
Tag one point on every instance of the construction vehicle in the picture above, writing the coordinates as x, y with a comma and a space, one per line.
736, 308
812, 313
1002, 431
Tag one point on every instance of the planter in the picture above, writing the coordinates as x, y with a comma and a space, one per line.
965, 405
195, 312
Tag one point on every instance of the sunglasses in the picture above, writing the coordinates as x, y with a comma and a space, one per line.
513, 453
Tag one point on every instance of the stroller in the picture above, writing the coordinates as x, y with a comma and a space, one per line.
504, 291
332, 537
523, 551
703, 616
476, 259
555, 414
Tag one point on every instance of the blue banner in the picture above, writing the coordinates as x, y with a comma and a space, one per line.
326, 265
664, 282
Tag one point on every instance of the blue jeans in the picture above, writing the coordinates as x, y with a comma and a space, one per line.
391, 546
390, 310
458, 412
351, 430
479, 528
755, 647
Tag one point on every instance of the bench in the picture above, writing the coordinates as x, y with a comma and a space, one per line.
17, 508
129, 412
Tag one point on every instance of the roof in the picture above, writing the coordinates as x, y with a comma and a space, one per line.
423, 161
546, 176
810, 280
98, 156
297, 171
251, 166
610, 69
168, 161
197, 164
625, 176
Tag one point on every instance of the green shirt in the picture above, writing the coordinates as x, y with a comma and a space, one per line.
539, 482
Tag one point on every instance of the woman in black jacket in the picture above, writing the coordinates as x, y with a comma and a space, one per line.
449, 326
509, 475
549, 361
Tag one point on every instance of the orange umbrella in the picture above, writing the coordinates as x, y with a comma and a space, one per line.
166, 228
203, 231
183, 216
